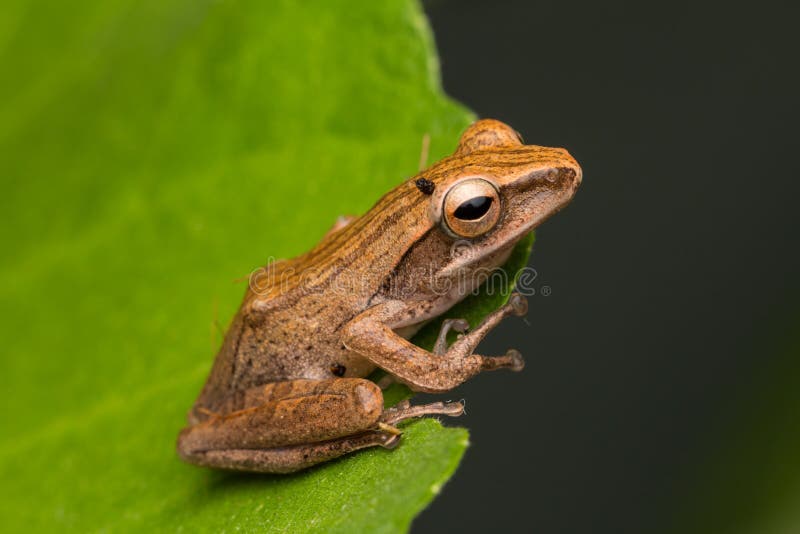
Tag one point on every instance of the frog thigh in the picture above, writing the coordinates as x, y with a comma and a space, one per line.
292, 413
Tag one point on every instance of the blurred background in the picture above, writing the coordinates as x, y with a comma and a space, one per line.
662, 387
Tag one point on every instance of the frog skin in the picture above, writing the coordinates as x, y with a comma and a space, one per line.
288, 388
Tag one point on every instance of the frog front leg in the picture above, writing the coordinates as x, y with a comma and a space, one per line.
372, 335
287, 426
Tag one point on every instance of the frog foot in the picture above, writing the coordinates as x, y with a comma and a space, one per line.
405, 411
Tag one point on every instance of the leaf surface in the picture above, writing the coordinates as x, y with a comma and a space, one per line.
152, 153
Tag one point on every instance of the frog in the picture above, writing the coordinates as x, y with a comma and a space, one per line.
290, 388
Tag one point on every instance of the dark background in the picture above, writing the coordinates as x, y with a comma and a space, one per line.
672, 272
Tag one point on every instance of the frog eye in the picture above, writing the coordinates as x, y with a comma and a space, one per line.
471, 207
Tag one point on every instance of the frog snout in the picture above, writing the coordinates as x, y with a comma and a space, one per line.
572, 175
569, 167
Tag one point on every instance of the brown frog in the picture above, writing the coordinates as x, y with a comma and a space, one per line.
288, 387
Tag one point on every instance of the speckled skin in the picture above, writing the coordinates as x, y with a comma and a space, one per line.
287, 389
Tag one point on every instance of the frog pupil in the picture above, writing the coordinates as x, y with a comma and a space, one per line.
473, 209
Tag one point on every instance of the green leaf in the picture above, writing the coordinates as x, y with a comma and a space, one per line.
152, 153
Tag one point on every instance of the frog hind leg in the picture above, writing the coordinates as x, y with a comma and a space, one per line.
296, 457
287, 426
293, 458
404, 411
